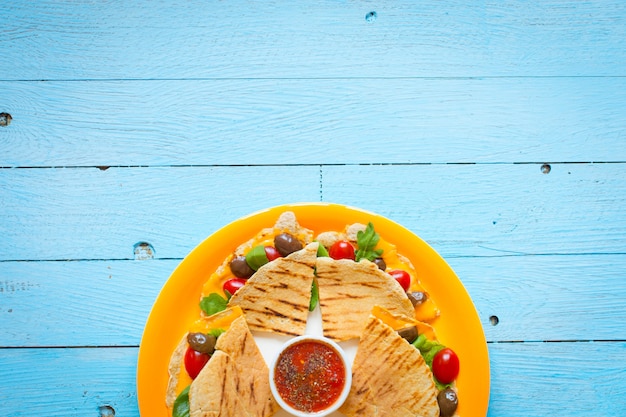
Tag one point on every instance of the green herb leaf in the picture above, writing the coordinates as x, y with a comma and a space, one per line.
439, 385
315, 296
181, 404
366, 241
214, 303
428, 349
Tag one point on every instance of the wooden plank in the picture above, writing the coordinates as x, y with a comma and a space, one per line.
544, 379
321, 121
50, 214
106, 303
68, 382
242, 39
493, 210
87, 303
523, 379
101, 214
554, 298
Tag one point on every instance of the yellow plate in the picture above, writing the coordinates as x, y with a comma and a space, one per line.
178, 303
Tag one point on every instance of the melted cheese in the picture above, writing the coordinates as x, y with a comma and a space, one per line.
398, 322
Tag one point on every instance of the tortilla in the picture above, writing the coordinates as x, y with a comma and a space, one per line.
235, 381
389, 377
349, 290
217, 390
174, 370
276, 298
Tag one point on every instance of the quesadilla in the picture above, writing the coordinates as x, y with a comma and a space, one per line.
235, 381
349, 290
389, 377
276, 298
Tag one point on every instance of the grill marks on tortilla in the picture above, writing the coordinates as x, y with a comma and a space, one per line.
349, 290
389, 377
276, 298
234, 383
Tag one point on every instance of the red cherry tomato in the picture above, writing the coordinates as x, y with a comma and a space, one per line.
403, 278
446, 366
233, 284
341, 249
271, 253
195, 361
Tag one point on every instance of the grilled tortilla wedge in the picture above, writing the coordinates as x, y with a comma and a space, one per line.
349, 290
235, 381
389, 377
276, 298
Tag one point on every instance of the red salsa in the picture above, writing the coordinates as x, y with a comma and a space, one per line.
309, 375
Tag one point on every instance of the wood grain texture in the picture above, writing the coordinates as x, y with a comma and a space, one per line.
435, 114
504, 209
106, 303
87, 303
68, 382
526, 379
493, 210
243, 39
336, 121
545, 379
102, 214
547, 298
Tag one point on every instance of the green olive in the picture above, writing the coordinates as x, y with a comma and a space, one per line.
257, 257
448, 402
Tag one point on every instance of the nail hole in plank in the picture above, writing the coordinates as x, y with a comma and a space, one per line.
143, 251
107, 411
5, 119
371, 17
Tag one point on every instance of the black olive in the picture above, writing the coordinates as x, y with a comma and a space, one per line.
240, 268
448, 402
408, 333
417, 297
286, 243
381, 263
203, 343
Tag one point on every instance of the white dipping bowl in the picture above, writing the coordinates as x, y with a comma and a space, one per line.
347, 377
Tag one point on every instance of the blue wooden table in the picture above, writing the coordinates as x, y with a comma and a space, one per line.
130, 131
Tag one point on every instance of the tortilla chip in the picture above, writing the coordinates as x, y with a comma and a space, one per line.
349, 290
276, 298
235, 381
389, 377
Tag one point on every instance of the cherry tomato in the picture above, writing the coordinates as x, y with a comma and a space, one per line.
233, 284
271, 253
341, 249
403, 278
446, 366
195, 361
